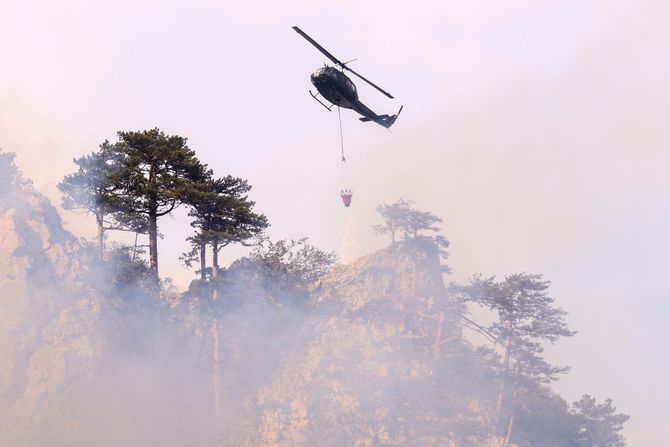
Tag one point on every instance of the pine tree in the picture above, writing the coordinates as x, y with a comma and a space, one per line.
394, 216
160, 172
94, 188
222, 215
598, 425
402, 217
525, 317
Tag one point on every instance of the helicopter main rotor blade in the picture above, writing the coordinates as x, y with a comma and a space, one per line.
318, 47
338, 62
369, 82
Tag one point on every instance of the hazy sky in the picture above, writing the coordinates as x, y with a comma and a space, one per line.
537, 130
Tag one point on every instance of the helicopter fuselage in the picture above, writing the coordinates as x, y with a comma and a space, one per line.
336, 87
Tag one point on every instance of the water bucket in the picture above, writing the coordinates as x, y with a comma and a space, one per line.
346, 195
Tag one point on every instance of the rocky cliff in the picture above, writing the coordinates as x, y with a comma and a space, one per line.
48, 321
366, 374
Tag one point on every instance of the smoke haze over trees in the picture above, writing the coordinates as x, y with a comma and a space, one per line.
282, 348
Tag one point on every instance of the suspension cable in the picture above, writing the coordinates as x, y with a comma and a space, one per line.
339, 115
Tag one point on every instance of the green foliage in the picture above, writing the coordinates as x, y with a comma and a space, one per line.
401, 217
299, 259
598, 425
133, 182
96, 189
191, 257
91, 188
159, 173
223, 213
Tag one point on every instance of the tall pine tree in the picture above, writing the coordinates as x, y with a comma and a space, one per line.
160, 172
222, 215
525, 317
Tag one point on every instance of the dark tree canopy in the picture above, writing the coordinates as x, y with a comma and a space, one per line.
222, 215
160, 172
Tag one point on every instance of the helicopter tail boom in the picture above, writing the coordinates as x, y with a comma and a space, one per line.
383, 120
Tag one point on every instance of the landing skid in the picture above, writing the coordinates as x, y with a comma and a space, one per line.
319, 101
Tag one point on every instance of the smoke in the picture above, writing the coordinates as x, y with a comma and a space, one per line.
537, 131
370, 354
348, 244
89, 361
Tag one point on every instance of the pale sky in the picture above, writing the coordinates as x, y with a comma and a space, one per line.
537, 130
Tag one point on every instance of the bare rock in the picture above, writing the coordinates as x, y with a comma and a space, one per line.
47, 323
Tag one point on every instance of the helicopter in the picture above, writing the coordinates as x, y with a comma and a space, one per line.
339, 90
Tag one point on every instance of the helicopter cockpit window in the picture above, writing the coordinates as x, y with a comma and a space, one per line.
351, 85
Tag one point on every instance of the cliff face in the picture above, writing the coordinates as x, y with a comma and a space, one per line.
366, 375
401, 274
47, 320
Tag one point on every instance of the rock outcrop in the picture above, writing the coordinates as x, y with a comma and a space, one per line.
363, 378
48, 321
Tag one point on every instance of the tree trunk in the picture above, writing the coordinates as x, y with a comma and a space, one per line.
135, 248
153, 247
414, 273
503, 379
99, 220
203, 261
215, 259
508, 435
438, 336
216, 367
153, 228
